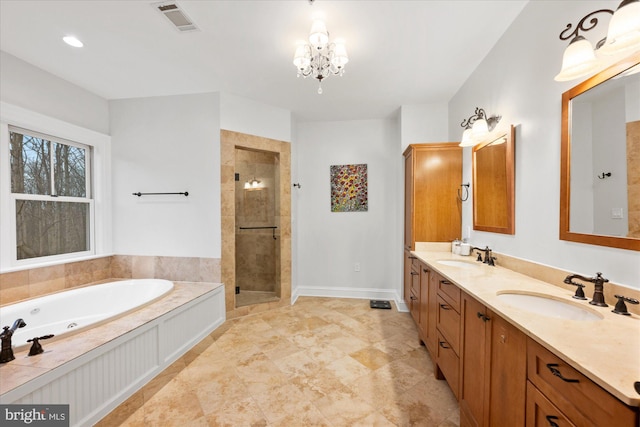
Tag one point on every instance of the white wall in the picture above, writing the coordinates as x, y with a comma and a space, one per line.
37, 100
27, 86
254, 118
329, 243
423, 123
166, 144
516, 81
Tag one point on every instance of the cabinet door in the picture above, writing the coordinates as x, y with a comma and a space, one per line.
474, 355
408, 200
432, 313
424, 301
437, 211
508, 373
408, 258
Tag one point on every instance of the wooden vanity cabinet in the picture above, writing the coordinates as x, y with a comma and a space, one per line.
493, 368
448, 333
558, 392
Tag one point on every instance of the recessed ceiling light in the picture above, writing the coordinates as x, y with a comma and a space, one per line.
72, 41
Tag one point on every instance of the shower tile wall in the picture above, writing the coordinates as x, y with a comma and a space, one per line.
257, 252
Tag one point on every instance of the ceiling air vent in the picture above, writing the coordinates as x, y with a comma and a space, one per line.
176, 15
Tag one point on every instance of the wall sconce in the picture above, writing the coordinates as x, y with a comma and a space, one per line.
580, 59
252, 183
477, 127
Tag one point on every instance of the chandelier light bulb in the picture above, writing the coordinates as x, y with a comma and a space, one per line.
319, 36
340, 57
301, 59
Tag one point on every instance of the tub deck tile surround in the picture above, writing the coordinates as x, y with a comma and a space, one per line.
57, 353
34, 282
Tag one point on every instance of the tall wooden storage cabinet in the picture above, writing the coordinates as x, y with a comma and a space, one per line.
432, 210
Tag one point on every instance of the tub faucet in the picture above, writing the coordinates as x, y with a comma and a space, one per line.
598, 282
6, 353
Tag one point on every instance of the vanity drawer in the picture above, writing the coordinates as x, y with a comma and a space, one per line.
580, 399
450, 292
449, 364
449, 323
541, 412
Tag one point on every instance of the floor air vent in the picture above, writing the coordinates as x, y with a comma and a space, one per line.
176, 16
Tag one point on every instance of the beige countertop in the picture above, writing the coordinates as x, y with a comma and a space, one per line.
607, 351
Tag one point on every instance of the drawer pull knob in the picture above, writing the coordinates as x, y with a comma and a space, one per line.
551, 419
413, 273
425, 270
413, 298
443, 344
445, 307
483, 317
445, 282
553, 367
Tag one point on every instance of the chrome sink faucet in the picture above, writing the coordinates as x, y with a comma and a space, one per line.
6, 354
598, 282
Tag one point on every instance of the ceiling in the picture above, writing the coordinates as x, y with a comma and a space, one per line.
401, 52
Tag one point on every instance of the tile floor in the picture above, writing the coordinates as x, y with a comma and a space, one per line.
320, 362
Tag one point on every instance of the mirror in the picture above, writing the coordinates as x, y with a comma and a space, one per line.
600, 158
493, 184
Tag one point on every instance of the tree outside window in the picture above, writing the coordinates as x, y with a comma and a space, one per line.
50, 182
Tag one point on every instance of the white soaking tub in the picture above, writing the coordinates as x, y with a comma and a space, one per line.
77, 309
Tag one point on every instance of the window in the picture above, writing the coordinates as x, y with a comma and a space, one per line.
51, 194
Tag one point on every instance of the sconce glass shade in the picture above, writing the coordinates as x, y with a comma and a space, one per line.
578, 60
467, 138
319, 36
480, 129
624, 29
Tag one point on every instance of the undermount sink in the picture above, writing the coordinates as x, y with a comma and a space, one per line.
455, 263
547, 306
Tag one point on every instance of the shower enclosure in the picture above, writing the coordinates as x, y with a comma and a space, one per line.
257, 248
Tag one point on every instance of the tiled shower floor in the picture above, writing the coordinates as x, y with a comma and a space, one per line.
254, 297
320, 362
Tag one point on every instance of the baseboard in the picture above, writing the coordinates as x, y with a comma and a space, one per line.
345, 292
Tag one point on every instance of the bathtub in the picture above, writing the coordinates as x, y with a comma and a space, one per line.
77, 309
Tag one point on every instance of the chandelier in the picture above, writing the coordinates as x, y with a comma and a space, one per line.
319, 58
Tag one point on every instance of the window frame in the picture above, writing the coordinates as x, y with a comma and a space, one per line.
98, 167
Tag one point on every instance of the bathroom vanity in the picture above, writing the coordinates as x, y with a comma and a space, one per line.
519, 365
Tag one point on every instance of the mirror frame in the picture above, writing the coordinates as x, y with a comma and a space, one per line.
510, 228
565, 161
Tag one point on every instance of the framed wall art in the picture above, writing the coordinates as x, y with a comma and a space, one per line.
349, 192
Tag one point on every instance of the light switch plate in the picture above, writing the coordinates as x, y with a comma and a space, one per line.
616, 213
